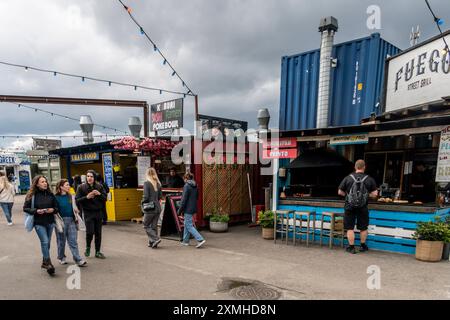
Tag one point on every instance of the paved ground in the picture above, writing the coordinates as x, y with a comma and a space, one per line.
133, 271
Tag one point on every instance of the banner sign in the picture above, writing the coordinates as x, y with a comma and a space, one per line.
84, 157
167, 115
8, 159
443, 165
221, 124
418, 76
348, 139
280, 143
108, 173
279, 154
143, 163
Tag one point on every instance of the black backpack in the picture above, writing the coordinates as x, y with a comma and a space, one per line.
358, 195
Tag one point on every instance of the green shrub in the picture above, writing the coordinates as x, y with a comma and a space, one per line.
265, 219
219, 216
432, 231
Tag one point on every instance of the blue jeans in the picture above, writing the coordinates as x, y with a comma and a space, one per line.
190, 229
45, 236
70, 235
7, 210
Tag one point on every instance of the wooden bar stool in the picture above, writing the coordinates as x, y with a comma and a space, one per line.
281, 224
336, 227
310, 216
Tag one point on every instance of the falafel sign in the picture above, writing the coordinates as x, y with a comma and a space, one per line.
418, 76
443, 165
167, 115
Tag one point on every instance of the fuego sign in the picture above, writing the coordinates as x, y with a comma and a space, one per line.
418, 76
167, 115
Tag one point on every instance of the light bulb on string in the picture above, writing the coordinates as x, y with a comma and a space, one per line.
155, 48
173, 73
135, 88
164, 62
160, 91
26, 68
142, 31
54, 74
109, 83
440, 21
82, 79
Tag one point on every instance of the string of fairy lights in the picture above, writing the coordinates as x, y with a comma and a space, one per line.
156, 49
439, 22
54, 114
94, 79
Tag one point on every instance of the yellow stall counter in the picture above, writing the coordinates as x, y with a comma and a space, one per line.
124, 204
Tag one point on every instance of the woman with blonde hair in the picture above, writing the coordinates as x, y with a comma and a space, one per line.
151, 207
6, 198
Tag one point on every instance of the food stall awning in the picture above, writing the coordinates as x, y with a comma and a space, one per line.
320, 158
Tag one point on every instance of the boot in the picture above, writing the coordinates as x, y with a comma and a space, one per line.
47, 264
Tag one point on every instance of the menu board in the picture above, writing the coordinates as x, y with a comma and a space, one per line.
143, 163
108, 170
443, 165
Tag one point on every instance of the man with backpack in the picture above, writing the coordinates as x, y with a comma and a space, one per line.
357, 188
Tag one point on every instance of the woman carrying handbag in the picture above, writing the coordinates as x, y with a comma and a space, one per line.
151, 207
41, 203
69, 214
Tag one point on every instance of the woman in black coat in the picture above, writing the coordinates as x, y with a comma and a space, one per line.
152, 194
41, 203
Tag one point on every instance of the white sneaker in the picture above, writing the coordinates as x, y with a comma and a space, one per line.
186, 244
81, 263
10, 224
200, 244
62, 261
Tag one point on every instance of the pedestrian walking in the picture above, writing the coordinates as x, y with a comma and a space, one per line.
357, 188
67, 210
7, 198
91, 197
188, 208
41, 203
151, 207
101, 181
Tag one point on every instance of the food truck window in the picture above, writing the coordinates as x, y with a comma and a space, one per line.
385, 168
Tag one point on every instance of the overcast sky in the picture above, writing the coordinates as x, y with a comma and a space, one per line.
228, 51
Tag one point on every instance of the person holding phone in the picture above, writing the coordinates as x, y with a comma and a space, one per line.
41, 203
91, 197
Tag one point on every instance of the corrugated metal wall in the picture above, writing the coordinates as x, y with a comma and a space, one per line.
356, 83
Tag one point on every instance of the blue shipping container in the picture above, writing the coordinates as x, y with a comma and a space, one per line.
356, 84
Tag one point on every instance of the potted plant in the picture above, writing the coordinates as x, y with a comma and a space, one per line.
218, 221
446, 251
266, 221
430, 238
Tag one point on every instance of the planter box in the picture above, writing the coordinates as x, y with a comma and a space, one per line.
430, 251
267, 233
218, 227
445, 253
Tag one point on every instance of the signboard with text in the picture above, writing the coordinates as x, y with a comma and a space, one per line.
143, 163
280, 143
418, 76
279, 154
349, 139
84, 157
108, 173
443, 165
8, 159
167, 115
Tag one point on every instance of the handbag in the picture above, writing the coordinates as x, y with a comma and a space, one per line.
59, 223
148, 206
81, 226
29, 218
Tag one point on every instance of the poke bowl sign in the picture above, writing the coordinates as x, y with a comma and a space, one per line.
443, 165
167, 115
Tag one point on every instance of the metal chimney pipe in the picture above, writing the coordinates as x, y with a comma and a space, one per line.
135, 126
87, 126
263, 119
328, 27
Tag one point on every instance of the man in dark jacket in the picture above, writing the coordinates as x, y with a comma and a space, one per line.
173, 180
91, 197
189, 209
